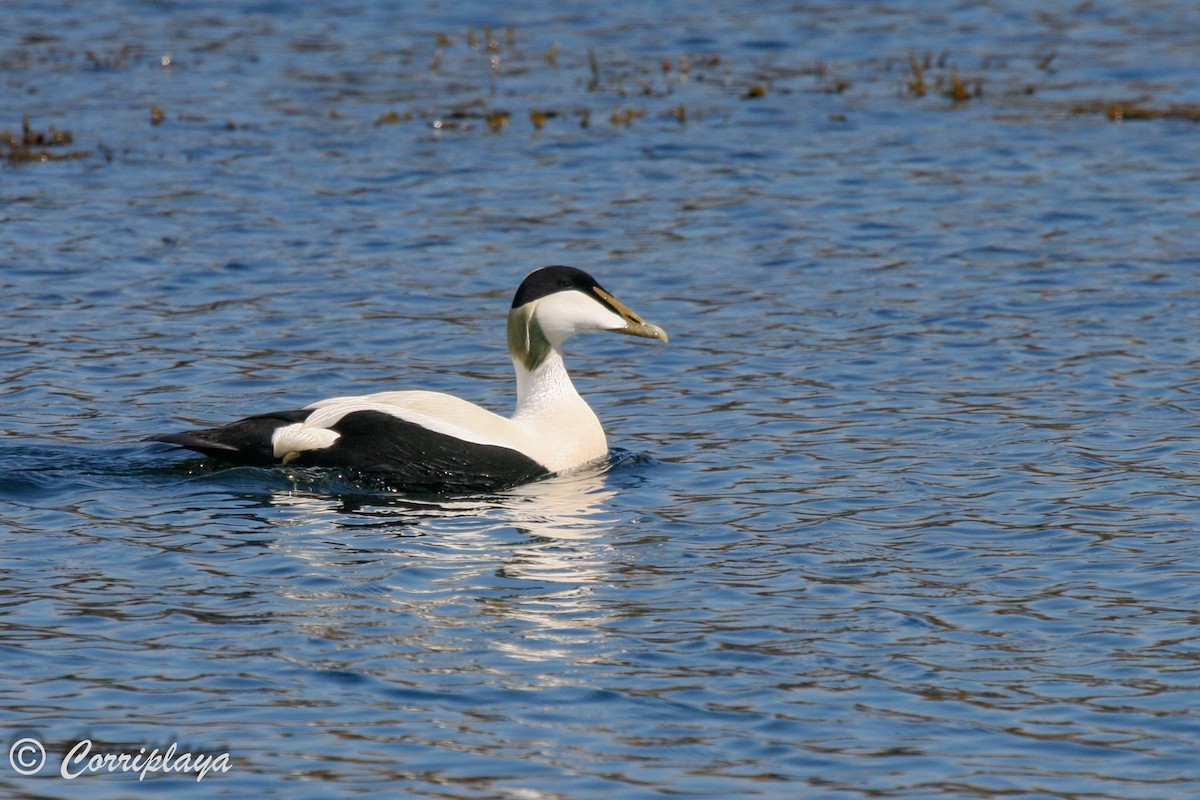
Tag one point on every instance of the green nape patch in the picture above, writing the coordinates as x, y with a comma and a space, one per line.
526, 341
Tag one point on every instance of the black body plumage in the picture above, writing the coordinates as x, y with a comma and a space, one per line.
246, 442
418, 458
402, 453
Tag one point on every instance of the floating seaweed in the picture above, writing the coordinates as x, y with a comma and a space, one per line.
916, 82
390, 117
960, 92
31, 145
113, 59
496, 120
921, 81
1120, 111
623, 117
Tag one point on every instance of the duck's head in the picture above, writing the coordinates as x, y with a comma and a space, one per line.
555, 303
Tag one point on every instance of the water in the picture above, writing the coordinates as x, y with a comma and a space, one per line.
907, 508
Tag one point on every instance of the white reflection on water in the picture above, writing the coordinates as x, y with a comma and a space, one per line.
471, 553
561, 508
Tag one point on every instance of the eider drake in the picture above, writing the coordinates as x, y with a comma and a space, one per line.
429, 441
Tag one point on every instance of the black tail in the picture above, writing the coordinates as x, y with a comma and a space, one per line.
247, 441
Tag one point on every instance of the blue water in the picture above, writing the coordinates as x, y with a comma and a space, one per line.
908, 507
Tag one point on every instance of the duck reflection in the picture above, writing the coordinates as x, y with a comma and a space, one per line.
558, 522
521, 568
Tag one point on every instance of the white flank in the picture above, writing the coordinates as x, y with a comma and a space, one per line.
434, 411
561, 435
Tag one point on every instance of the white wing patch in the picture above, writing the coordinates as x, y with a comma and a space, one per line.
298, 437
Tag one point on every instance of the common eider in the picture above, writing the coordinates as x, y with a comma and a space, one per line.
429, 441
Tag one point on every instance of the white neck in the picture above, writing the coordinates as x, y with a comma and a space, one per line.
550, 410
544, 388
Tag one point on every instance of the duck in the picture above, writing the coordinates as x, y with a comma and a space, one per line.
434, 442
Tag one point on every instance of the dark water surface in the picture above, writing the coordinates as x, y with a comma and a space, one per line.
907, 508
